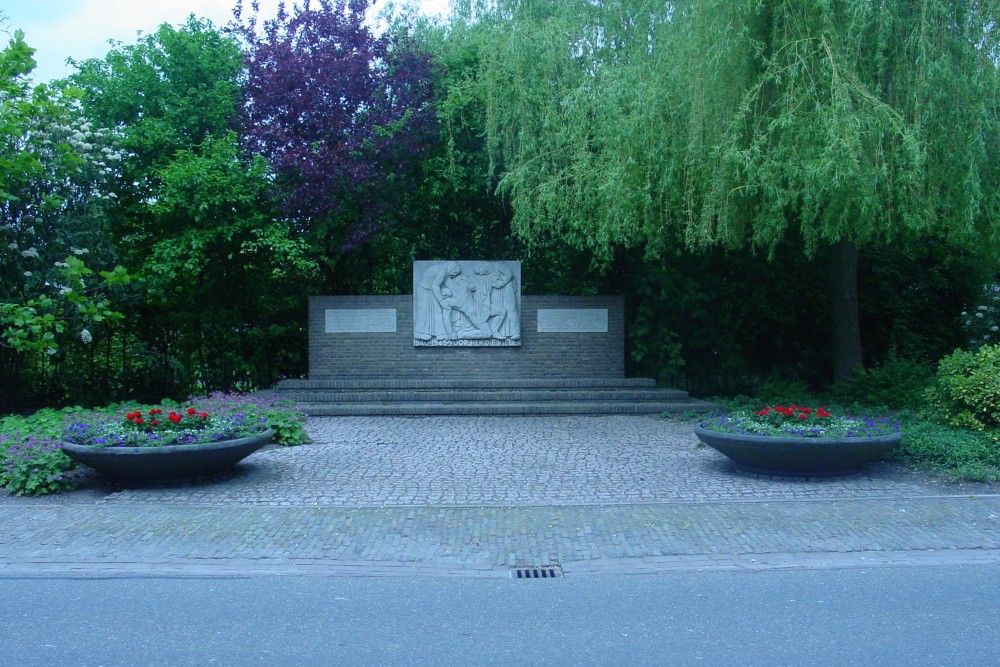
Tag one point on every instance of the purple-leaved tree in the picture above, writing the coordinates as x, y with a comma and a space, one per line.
340, 112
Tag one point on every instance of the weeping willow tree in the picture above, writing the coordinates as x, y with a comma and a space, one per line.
839, 124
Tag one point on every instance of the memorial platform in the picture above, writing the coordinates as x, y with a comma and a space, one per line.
507, 396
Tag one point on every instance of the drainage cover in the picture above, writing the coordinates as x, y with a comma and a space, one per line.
546, 572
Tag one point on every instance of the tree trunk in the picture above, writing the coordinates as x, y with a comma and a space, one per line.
846, 329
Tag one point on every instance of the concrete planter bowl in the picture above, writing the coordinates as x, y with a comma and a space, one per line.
798, 456
170, 464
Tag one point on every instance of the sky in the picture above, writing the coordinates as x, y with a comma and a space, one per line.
80, 29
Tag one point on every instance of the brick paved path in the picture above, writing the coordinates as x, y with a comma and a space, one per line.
476, 496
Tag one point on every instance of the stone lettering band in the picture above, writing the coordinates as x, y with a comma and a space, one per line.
573, 320
361, 320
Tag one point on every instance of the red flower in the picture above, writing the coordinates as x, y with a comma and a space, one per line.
203, 415
192, 412
763, 413
137, 420
155, 422
155, 411
822, 412
174, 417
803, 415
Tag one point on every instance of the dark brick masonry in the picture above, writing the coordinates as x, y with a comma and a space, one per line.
393, 355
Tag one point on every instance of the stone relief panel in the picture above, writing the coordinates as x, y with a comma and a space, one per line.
467, 303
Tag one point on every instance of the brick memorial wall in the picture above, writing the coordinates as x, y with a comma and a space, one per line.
357, 337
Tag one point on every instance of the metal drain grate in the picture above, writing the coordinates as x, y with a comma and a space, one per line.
547, 572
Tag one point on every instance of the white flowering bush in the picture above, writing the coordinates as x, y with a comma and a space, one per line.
54, 171
982, 323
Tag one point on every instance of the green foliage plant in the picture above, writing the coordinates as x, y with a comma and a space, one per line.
30, 460
896, 384
33, 466
967, 390
282, 415
288, 423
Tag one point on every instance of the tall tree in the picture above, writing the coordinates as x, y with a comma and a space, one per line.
339, 112
840, 124
222, 271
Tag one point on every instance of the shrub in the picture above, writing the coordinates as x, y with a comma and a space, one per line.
782, 390
983, 323
967, 391
897, 383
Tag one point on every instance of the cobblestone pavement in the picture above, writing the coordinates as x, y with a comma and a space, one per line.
477, 496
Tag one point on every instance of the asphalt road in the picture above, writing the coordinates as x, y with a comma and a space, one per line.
913, 616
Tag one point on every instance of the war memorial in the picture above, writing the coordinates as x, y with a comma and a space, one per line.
467, 341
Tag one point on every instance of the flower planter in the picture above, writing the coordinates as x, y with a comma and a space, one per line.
798, 456
169, 464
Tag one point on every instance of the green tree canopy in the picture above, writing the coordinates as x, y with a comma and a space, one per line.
839, 124
196, 216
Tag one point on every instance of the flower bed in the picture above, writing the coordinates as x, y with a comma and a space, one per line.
799, 441
157, 427
32, 462
801, 422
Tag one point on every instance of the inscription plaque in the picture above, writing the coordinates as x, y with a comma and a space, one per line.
573, 320
361, 320
467, 304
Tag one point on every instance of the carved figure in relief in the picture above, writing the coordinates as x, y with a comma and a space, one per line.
455, 304
462, 319
428, 311
482, 285
503, 304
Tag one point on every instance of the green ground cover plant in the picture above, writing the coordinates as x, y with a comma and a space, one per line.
959, 453
31, 462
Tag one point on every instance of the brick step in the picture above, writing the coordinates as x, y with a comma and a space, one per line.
502, 408
483, 395
444, 383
